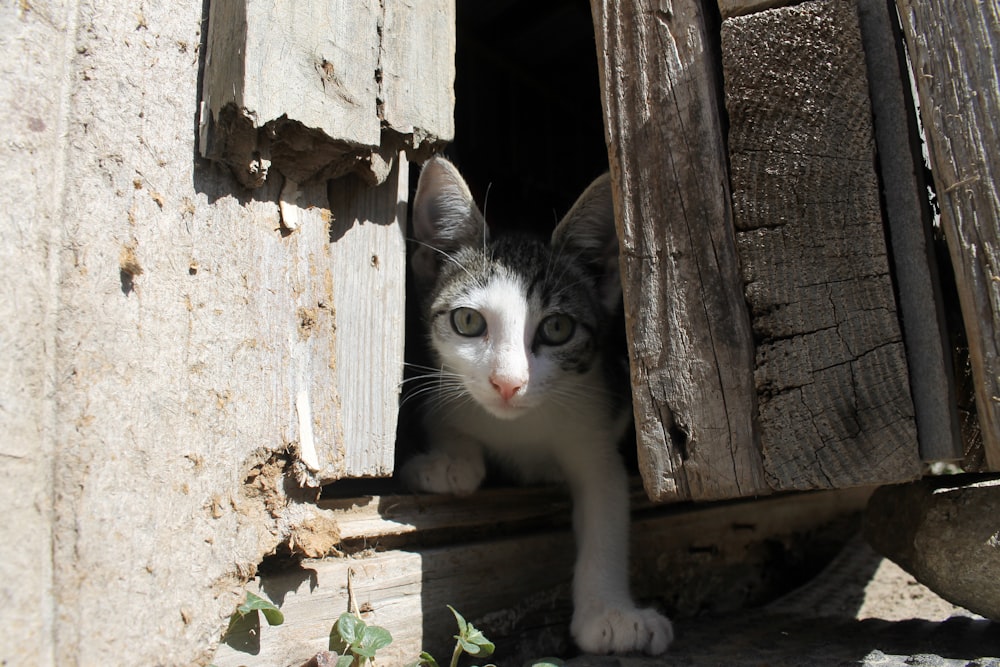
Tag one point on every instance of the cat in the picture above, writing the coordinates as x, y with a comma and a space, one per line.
523, 371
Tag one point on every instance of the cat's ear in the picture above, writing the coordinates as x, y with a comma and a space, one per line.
445, 217
588, 231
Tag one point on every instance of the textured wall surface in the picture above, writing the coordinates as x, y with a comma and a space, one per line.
145, 341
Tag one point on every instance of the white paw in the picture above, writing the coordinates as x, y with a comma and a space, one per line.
438, 472
622, 630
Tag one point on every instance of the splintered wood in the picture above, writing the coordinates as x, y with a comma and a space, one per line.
688, 330
831, 377
314, 91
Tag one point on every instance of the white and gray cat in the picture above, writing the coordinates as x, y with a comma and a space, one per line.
522, 374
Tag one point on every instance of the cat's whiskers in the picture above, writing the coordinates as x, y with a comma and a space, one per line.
435, 381
570, 394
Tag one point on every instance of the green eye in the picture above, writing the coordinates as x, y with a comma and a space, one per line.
556, 329
468, 322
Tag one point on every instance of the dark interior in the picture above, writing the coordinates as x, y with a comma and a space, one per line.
528, 122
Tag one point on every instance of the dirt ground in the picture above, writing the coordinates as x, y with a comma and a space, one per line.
861, 610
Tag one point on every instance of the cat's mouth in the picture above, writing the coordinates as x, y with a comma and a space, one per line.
506, 408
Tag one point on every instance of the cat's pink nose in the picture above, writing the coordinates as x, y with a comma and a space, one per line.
507, 388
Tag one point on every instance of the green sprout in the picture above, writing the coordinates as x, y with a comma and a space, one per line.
356, 642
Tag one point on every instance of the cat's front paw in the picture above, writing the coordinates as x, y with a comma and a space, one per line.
438, 472
622, 630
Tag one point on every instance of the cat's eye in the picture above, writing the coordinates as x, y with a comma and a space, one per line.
468, 322
556, 329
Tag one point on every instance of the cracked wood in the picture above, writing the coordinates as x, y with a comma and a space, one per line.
834, 400
688, 328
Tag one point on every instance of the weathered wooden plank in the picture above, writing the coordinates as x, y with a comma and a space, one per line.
307, 69
907, 209
406, 590
332, 294
367, 274
417, 63
835, 407
688, 328
953, 49
393, 521
312, 89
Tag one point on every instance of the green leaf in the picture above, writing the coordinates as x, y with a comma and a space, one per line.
468, 647
462, 625
484, 647
337, 643
350, 628
470, 638
545, 662
243, 633
345, 661
375, 638
427, 660
257, 603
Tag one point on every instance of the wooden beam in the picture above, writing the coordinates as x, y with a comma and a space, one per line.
688, 329
835, 406
953, 49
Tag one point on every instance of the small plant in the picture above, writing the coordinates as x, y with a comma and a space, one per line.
243, 632
356, 642
256, 604
469, 640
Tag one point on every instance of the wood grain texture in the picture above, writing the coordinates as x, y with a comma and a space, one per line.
953, 49
417, 65
908, 215
314, 89
682, 557
835, 406
688, 328
368, 274
307, 69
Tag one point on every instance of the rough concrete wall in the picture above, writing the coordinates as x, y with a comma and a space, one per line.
142, 372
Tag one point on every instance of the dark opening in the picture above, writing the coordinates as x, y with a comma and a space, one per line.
528, 122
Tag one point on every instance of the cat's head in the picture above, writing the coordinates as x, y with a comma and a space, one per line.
519, 321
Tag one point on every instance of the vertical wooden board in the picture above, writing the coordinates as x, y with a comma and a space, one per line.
367, 271
688, 328
417, 62
907, 208
835, 407
953, 49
